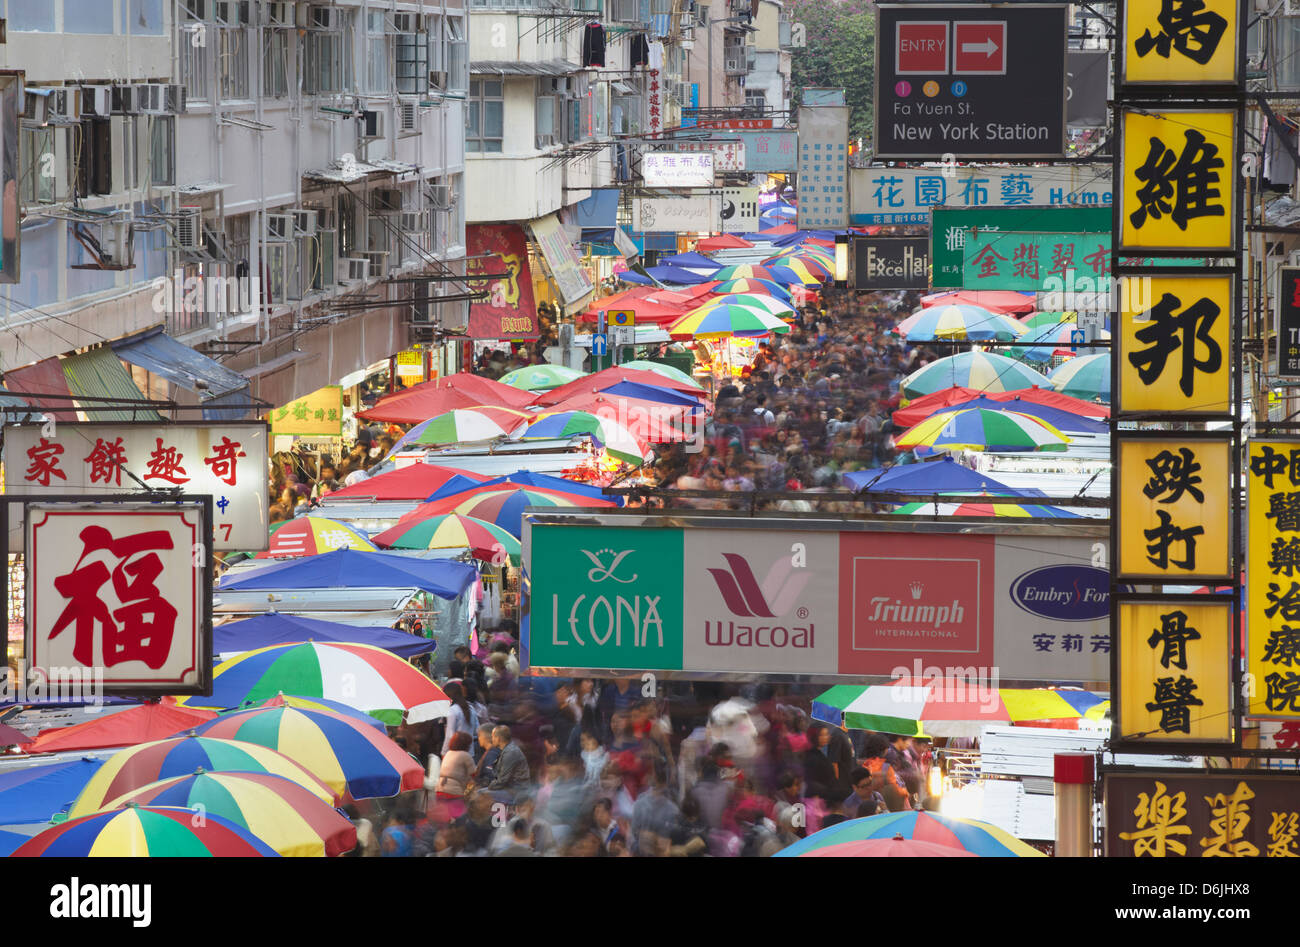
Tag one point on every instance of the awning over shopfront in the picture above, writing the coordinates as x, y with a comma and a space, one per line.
597, 215
507, 67
219, 388
93, 376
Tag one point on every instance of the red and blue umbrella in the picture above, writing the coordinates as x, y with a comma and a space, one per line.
147, 832
964, 835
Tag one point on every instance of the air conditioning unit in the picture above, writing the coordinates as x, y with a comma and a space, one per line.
278, 13
324, 218
149, 98
173, 99
372, 124
279, 227
304, 222
414, 221
116, 246
64, 105
437, 79
189, 229
1294, 258
385, 200
124, 100
355, 269
408, 114
378, 260
36, 108
232, 12
442, 196
325, 18
97, 100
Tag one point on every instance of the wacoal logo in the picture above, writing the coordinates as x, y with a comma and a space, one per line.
746, 598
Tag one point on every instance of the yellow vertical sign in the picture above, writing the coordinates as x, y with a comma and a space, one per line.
1177, 181
1175, 345
1181, 43
1172, 506
1273, 578
1175, 682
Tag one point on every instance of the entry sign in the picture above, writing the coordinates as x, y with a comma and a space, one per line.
1178, 43
970, 81
1288, 323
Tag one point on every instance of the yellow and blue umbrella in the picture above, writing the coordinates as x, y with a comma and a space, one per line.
964, 835
276, 810
742, 271
723, 322
982, 429
1036, 320
796, 272
768, 304
345, 755
959, 322
614, 437
310, 535
762, 287
983, 371
486, 541
152, 832
930, 508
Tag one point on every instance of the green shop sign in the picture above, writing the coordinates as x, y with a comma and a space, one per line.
951, 227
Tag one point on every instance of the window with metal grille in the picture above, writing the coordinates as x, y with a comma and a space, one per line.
275, 63
194, 67
232, 63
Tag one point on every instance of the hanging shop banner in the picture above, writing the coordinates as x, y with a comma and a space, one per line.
1037, 262
951, 226
319, 414
510, 311
1178, 192
773, 152
563, 260
727, 155
227, 460
122, 591
614, 593
1173, 509
740, 210
1174, 353
1288, 323
970, 81
907, 195
1174, 43
881, 263
700, 213
823, 167
1181, 814
1174, 660
1273, 578
677, 169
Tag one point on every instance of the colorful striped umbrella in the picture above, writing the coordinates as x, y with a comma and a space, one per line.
370, 679
485, 541
147, 763
958, 322
985, 509
310, 535
896, 847
503, 506
768, 304
722, 322
994, 300
1086, 377
276, 810
762, 287
668, 371
1039, 345
983, 371
465, 424
613, 436
968, 836
315, 703
742, 271
982, 429
140, 832
345, 755
948, 709
540, 377
1036, 320
798, 273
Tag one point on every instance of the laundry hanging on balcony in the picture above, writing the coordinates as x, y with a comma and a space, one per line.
593, 45
639, 51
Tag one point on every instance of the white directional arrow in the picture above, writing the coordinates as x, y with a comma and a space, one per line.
988, 48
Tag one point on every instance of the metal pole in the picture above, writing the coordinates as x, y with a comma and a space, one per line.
710, 66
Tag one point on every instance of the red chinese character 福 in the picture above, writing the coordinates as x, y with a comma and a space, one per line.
141, 629
106, 461
45, 462
223, 460
165, 464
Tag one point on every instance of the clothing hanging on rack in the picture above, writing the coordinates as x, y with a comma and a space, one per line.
638, 53
656, 56
593, 45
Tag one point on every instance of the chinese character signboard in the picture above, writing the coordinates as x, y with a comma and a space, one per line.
1182, 43
1175, 681
227, 460
124, 588
890, 263
701, 597
1273, 578
510, 311
410, 366
970, 80
677, 169
1172, 509
1180, 814
574, 283
950, 227
1288, 323
1174, 353
1177, 191
823, 167
318, 414
727, 155
1034, 262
